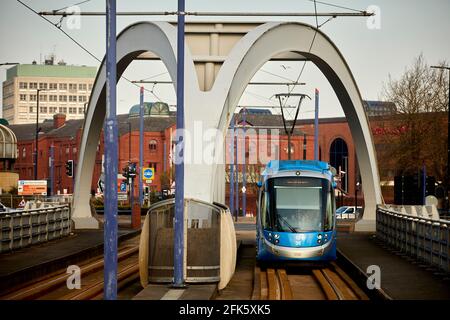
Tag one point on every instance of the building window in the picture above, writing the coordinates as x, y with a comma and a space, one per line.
33, 85
152, 165
43, 98
63, 109
33, 97
23, 97
43, 109
80, 110
67, 150
52, 109
82, 86
62, 98
53, 98
90, 86
74, 150
152, 145
42, 85
24, 153
72, 110
31, 110
53, 86
72, 98
72, 86
23, 85
63, 86
81, 98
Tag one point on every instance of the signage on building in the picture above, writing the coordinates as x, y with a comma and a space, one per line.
32, 187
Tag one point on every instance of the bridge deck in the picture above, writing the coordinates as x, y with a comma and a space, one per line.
401, 277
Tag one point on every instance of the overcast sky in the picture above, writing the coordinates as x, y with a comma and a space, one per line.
407, 29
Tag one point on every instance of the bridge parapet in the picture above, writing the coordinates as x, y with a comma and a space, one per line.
20, 229
415, 231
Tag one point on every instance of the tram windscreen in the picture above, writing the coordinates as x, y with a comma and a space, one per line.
298, 204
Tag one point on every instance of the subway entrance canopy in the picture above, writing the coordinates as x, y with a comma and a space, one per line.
220, 60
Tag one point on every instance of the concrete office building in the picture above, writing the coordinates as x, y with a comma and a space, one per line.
65, 89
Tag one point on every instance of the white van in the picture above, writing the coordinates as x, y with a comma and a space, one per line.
348, 212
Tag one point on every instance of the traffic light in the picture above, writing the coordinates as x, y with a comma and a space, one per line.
132, 170
69, 168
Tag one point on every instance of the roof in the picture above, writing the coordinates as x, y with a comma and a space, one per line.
70, 128
287, 165
8, 143
44, 70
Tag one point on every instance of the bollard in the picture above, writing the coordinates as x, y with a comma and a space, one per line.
136, 216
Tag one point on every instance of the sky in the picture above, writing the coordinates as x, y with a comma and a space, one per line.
406, 29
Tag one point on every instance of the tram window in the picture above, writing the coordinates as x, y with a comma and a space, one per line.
328, 225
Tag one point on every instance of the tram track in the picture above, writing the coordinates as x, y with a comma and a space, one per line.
54, 286
328, 283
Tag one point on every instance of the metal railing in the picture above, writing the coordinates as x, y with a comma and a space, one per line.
20, 229
423, 238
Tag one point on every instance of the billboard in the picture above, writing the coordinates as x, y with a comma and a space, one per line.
32, 187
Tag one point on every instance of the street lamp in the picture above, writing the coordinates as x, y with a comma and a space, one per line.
37, 135
446, 184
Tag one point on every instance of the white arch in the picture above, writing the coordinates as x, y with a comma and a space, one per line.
157, 37
215, 107
264, 42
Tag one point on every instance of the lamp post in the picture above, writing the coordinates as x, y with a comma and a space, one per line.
36, 150
447, 172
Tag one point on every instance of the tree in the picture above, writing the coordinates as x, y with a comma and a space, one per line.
417, 134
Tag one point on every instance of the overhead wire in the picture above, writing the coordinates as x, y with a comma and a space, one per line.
81, 46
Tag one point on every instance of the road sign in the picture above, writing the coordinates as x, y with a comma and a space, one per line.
32, 187
148, 174
123, 186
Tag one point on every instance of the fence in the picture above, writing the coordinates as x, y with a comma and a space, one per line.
20, 229
423, 238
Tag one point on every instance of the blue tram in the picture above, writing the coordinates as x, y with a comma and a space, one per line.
296, 212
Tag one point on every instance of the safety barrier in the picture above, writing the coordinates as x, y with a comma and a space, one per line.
20, 229
416, 235
209, 243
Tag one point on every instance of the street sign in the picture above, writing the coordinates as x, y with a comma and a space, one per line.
122, 197
32, 187
123, 186
148, 174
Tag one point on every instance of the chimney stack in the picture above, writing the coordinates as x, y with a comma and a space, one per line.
59, 120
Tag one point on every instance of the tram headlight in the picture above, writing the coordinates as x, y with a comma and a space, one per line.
276, 236
319, 236
319, 241
277, 241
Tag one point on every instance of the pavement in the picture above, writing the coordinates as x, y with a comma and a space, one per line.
401, 277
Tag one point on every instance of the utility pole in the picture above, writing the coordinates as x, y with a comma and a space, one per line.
447, 175
316, 126
231, 195
244, 181
110, 136
141, 144
178, 268
36, 151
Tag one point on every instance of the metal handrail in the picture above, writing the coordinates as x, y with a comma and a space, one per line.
423, 238
19, 229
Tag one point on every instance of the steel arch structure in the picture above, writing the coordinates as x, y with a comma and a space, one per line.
215, 107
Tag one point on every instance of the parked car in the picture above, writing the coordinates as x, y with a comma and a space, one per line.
3, 208
348, 212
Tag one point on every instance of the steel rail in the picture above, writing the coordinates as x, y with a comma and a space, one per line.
47, 284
